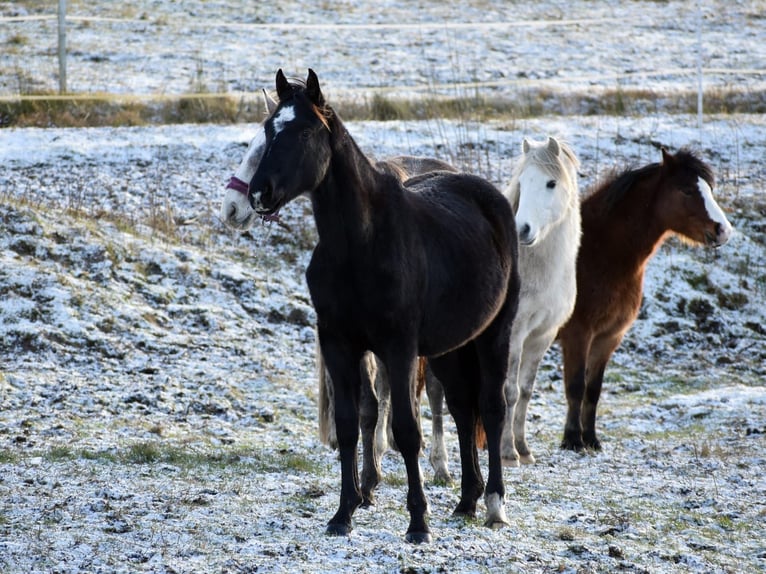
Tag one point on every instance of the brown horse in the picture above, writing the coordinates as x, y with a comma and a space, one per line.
624, 222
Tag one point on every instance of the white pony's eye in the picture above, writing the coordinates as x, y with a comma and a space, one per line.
551, 184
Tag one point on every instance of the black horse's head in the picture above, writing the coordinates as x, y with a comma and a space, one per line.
297, 152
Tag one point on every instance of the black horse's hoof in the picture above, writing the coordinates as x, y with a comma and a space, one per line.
572, 444
418, 537
334, 529
592, 443
367, 501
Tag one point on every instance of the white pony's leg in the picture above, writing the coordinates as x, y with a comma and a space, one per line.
383, 428
534, 349
438, 456
508, 451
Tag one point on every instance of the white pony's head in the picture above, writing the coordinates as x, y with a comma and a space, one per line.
236, 211
543, 189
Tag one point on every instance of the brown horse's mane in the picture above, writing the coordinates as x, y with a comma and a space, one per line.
613, 188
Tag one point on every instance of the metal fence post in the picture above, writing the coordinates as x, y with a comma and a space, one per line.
62, 46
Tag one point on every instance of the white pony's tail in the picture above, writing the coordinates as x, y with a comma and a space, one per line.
326, 403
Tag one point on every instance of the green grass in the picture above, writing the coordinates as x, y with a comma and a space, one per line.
155, 452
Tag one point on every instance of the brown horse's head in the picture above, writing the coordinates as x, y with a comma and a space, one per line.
685, 203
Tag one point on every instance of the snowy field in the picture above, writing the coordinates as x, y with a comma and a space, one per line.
158, 394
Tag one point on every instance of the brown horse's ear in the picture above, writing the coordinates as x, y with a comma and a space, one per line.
271, 104
284, 89
312, 89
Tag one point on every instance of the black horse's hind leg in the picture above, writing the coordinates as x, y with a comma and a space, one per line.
368, 411
461, 393
343, 365
401, 367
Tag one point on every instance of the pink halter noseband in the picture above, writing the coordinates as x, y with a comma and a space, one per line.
238, 185
244, 188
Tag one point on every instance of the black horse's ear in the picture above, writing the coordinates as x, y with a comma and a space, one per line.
667, 157
312, 89
284, 89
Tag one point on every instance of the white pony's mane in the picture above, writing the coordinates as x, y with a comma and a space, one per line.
550, 163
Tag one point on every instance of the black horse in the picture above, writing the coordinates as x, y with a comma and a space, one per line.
427, 268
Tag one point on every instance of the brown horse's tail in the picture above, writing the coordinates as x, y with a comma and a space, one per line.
481, 436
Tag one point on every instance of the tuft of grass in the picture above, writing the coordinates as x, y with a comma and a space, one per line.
7, 456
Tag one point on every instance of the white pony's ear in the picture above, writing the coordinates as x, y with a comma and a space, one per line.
525, 145
553, 146
271, 104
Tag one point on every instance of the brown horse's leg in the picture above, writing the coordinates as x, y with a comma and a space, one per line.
401, 366
343, 366
575, 347
369, 422
438, 457
601, 352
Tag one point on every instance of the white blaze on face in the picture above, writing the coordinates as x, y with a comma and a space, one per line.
714, 211
235, 209
285, 116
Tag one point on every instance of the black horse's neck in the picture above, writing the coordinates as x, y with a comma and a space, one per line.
343, 201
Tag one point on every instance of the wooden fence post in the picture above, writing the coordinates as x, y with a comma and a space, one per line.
62, 46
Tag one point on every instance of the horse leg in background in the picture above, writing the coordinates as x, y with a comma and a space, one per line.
326, 402
343, 366
510, 455
401, 366
534, 349
384, 436
369, 421
575, 346
462, 403
438, 456
601, 351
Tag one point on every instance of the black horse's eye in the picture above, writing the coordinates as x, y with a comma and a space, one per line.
551, 184
306, 134
688, 191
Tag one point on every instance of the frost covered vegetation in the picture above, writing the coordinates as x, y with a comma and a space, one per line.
158, 394
158, 388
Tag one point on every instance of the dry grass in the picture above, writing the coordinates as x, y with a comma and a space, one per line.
104, 110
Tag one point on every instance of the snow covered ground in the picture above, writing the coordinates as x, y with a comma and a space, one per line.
157, 398
157, 388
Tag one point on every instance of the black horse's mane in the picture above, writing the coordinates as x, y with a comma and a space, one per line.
617, 182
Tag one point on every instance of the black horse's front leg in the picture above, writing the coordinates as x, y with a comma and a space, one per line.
343, 366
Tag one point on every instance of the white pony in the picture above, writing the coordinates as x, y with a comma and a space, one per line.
545, 198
